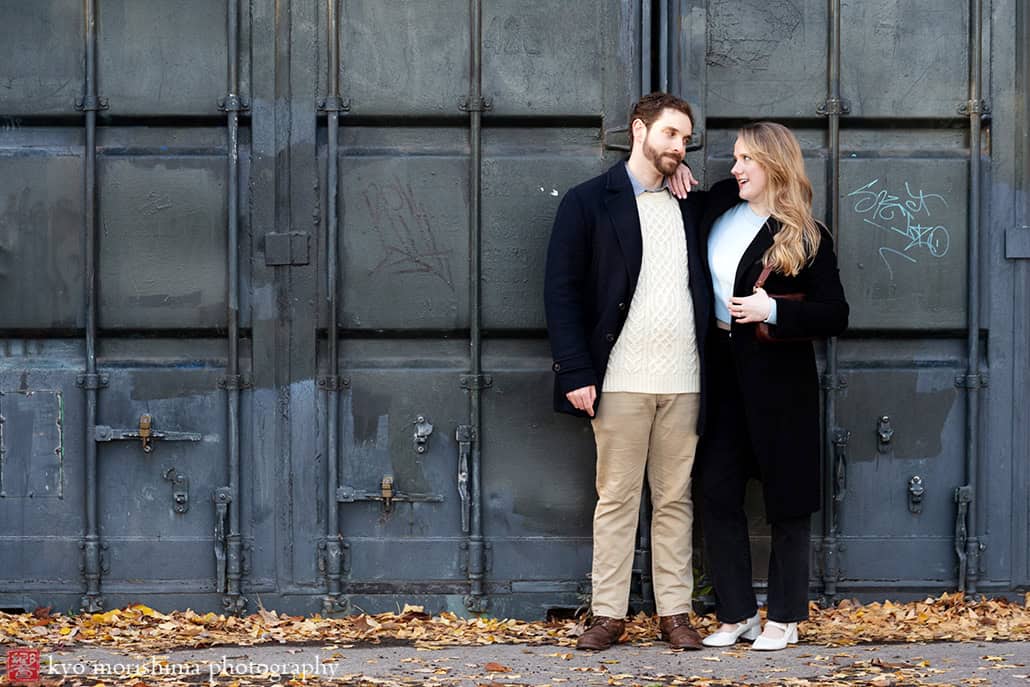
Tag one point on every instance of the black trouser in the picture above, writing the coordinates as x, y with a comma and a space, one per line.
727, 461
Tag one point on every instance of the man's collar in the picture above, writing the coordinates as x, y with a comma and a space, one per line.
639, 188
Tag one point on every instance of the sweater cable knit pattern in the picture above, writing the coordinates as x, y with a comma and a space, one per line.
656, 352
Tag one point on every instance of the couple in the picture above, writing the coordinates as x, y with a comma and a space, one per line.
652, 314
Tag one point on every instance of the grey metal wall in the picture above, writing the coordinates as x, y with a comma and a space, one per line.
313, 257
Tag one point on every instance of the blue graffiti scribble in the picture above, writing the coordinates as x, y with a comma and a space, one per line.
886, 211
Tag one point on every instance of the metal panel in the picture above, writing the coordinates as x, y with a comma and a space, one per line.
527, 68
144, 68
162, 253
908, 59
35, 81
903, 242
397, 77
523, 182
405, 242
886, 520
766, 58
32, 444
40, 250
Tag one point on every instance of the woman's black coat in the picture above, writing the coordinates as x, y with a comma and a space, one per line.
779, 382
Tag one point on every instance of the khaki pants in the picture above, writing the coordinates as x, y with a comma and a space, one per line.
633, 432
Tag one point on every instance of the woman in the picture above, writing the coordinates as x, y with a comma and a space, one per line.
764, 397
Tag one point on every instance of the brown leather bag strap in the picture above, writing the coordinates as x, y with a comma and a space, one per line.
766, 271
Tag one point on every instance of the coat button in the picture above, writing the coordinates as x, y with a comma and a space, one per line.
622, 307
609, 337
556, 367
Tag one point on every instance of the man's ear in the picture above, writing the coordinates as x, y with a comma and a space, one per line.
638, 128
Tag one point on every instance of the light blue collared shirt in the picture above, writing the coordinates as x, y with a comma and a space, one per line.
639, 188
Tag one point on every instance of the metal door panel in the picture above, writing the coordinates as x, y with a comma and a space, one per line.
902, 250
919, 410
404, 58
904, 58
139, 520
392, 385
527, 67
40, 245
521, 192
765, 58
41, 497
163, 249
162, 58
404, 242
538, 470
35, 80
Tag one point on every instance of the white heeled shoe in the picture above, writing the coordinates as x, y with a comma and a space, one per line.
749, 630
789, 636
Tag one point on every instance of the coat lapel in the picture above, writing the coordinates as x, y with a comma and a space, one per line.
622, 211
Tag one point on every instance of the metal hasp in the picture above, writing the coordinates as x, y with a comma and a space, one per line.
180, 489
834, 439
221, 498
841, 437
145, 434
476, 600
387, 495
332, 560
90, 382
423, 430
967, 535
916, 491
464, 435
884, 434
233, 601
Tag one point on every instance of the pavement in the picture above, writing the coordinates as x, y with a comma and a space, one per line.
646, 664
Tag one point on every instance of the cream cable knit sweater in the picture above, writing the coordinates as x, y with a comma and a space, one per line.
656, 352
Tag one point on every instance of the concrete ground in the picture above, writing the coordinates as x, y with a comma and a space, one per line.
893, 665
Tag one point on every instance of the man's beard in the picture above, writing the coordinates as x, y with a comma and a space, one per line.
665, 163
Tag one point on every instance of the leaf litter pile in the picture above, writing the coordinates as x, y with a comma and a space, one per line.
141, 630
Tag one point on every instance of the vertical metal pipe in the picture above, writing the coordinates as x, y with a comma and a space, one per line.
831, 435
334, 543
91, 600
645, 47
476, 104
663, 45
233, 600
968, 494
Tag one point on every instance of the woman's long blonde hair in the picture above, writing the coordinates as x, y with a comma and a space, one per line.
788, 194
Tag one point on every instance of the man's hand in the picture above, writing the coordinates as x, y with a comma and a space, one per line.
583, 398
681, 181
754, 308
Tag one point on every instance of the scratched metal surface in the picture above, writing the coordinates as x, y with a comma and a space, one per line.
558, 76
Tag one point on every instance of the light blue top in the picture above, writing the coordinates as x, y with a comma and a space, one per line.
639, 188
732, 233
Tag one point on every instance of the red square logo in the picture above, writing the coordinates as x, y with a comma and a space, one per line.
23, 666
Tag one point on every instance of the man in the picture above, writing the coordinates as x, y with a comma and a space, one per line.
627, 304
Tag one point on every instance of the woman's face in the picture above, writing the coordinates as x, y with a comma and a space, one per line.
751, 178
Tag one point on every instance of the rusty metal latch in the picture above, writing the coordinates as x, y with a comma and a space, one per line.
145, 433
388, 495
423, 429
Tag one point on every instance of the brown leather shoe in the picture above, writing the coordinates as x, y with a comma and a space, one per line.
676, 630
603, 632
